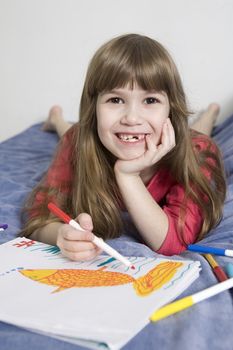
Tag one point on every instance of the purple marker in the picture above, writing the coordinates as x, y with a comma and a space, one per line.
3, 227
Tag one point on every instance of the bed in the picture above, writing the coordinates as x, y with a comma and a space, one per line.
208, 325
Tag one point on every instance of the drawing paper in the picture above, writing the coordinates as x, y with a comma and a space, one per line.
99, 303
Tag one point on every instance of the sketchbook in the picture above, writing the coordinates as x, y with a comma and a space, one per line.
97, 304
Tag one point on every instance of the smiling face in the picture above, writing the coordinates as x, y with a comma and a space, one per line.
125, 116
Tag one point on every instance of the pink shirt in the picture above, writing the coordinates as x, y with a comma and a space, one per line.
163, 188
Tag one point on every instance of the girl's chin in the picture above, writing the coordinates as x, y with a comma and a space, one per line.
130, 155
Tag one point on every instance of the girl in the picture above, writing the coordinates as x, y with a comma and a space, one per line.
133, 151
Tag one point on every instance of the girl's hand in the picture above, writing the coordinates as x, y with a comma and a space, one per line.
77, 245
152, 154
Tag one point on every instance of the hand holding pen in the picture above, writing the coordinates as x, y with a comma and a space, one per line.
86, 240
78, 244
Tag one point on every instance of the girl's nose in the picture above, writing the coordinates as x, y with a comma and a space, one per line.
131, 116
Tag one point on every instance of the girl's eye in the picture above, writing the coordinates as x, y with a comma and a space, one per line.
115, 100
151, 100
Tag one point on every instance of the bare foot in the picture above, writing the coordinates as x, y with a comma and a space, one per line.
207, 119
55, 115
56, 122
212, 112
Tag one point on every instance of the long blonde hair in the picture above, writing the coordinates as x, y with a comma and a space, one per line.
131, 59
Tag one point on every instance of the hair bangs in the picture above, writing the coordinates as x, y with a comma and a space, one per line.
137, 63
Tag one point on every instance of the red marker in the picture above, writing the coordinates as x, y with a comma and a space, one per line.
218, 271
97, 241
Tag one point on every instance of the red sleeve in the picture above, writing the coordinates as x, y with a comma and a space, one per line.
59, 175
192, 224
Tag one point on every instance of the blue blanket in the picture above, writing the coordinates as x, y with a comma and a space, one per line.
207, 325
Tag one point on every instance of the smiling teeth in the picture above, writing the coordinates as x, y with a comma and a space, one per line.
131, 138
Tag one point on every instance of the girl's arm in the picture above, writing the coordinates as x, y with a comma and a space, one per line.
47, 233
150, 220
148, 216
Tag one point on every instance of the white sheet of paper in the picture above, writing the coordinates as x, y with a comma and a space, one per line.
94, 314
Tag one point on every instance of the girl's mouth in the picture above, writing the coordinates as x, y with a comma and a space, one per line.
131, 137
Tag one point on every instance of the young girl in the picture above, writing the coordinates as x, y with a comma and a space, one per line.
132, 150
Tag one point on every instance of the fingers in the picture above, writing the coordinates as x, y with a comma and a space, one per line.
85, 221
167, 143
76, 244
82, 255
151, 146
71, 234
78, 249
168, 135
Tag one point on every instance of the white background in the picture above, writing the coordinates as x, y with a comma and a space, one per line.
45, 46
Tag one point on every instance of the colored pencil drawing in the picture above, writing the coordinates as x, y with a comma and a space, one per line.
63, 279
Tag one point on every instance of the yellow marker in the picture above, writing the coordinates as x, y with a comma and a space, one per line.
172, 308
213, 263
218, 271
186, 302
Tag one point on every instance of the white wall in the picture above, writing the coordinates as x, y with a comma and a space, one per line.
45, 46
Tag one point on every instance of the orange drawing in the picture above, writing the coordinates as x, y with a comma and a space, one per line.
69, 278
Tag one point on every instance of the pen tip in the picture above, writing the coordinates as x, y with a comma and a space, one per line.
133, 267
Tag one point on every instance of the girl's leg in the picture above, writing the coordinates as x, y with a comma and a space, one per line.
207, 119
56, 122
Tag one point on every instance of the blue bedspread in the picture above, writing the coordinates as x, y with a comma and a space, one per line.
207, 325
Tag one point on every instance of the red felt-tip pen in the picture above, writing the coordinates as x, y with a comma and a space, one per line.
218, 271
97, 241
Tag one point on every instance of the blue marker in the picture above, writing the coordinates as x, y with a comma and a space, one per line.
229, 270
211, 250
